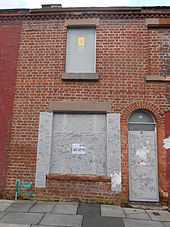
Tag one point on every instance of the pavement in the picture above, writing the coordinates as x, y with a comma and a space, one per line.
72, 214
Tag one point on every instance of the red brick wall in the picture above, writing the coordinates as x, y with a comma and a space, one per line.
9, 45
79, 188
126, 52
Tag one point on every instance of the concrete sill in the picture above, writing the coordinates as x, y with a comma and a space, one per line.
79, 107
81, 76
67, 177
157, 78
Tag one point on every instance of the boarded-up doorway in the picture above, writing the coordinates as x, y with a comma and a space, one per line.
143, 176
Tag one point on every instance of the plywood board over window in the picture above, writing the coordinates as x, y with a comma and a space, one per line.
81, 50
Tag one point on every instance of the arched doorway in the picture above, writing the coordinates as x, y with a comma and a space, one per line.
142, 144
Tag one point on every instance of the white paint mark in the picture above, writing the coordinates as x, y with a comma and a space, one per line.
142, 155
116, 181
166, 143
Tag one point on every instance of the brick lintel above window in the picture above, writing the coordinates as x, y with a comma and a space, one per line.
89, 22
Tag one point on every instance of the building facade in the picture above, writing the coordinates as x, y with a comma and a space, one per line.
91, 102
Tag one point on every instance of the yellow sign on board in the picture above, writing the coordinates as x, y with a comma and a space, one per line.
81, 41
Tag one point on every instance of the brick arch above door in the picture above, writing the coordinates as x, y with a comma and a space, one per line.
144, 105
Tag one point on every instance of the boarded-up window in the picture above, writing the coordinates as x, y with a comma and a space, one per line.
81, 50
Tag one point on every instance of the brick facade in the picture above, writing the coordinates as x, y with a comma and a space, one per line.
9, 45
127, 52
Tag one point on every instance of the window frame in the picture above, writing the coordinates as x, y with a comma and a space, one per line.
82, 24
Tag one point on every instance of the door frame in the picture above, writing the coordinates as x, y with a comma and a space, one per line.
156, 156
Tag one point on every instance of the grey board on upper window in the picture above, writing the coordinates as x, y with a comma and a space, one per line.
81, 50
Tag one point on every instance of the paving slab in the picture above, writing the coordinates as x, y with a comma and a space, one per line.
20, 206
68, 203
99, 221
166, 224
89, 209
47, 226
136, 214
4, 204
65, 208
142, 223
112, 211
2, 214
25, 201
62, 220
13, 225
133, 210
142, 216
42, 207
157, 215
22, 218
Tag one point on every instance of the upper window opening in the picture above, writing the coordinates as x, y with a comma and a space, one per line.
141, 116
81, 50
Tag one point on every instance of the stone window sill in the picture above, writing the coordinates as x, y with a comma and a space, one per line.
81, 76
68, 177
156, 78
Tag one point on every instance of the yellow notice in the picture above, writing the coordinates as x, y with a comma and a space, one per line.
81, 41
